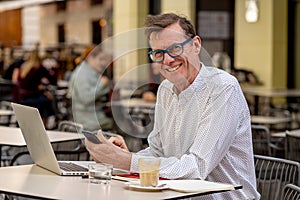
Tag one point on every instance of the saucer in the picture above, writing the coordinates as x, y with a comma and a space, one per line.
136, 185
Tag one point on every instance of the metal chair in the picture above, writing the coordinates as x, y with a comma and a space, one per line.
291, 192
129, 122
70, 126
21, 158
264, 144
261, 140
7, 119
281, 113
73, 150
272, 174
292, 147
294, 108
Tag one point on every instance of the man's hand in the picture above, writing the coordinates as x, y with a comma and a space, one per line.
114, 153
119, 141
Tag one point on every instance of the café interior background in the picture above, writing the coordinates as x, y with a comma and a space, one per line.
268, 47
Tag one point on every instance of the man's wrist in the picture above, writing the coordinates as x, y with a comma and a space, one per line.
125, 160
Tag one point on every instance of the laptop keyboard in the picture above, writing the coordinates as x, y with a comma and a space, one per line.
68, 166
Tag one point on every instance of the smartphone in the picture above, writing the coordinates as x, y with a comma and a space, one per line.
91, 137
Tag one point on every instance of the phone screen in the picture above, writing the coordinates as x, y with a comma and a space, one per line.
91, 137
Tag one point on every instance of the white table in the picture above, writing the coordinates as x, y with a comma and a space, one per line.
6, 112
12, 136
295, 132
133, 103
269, 93
269, 120
33, 181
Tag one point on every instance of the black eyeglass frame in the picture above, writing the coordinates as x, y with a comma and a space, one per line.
163, 51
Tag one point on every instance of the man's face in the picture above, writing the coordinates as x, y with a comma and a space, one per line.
180, 70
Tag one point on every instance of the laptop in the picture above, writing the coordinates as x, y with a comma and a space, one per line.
38, 143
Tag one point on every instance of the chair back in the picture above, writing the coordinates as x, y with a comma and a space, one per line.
72, 150
21, 158
272, 174
261, 140
292, 147
291, 192
8, 118
70, 126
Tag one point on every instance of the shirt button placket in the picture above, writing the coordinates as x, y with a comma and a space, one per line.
177, 131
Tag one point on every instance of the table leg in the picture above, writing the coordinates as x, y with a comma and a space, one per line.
0, 155
256, 104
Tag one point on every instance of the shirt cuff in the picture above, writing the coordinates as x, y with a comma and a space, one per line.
134, 163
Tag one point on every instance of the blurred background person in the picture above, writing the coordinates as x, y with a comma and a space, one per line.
77, 61
31, 81
154, 82
8, 74
89, 90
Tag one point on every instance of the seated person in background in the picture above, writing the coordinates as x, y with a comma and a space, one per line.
77, 61
89, 90
31, 80
149, 91
50, 63
16, 64
202, 126
156, 79
149, 95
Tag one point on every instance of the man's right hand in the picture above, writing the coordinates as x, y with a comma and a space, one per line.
119, 141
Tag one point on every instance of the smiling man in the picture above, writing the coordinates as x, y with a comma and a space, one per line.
202, 123
176, 52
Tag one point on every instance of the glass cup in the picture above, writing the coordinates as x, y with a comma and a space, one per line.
149, 171
100, 173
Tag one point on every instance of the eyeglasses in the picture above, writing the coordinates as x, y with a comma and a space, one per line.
173, 51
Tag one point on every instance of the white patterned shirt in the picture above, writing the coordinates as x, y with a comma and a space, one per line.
204, 133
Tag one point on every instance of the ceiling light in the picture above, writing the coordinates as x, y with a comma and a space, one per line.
251, 14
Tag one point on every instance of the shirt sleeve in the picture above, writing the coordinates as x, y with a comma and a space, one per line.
217, 129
